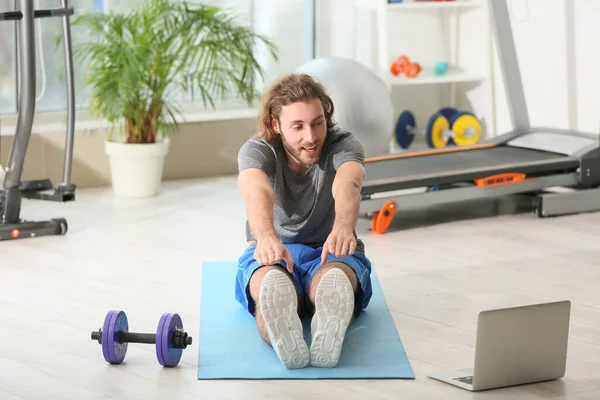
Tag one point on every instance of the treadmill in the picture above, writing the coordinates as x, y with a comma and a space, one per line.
526, 160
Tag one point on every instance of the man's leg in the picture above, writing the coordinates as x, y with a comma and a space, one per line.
331, 291
338, 291
255, 285
271, 295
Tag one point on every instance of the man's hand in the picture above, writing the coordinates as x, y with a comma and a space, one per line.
269, 250
341, 241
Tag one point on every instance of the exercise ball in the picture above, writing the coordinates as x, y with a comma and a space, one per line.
362, 100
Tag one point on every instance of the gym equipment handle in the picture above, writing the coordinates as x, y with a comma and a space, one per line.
147, 338
52, 12
132, 337
10, 210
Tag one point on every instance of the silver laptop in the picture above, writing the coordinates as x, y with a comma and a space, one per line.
516, 346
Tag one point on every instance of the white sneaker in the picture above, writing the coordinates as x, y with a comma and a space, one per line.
279, 307
334, 307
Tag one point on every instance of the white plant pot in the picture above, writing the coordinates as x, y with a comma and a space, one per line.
136, 169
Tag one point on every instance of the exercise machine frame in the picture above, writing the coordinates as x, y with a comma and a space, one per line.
526, 160
13, 190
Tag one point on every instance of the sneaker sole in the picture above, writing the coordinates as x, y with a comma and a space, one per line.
279, 308
334, 307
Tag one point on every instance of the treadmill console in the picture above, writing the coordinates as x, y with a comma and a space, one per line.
553, 142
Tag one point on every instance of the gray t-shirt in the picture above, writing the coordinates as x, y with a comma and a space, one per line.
304, 210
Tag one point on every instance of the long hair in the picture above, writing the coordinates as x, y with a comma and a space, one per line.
290, 88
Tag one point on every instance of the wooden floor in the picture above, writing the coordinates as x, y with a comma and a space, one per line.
438, 268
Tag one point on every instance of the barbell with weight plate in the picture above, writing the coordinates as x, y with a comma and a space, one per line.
170, 339
446, 127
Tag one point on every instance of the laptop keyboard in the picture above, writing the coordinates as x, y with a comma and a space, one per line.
465, 379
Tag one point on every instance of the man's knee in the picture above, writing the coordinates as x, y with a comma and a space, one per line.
254, 286
257, 278
349, 271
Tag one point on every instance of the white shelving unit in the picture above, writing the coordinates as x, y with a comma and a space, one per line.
427, 77
447, 16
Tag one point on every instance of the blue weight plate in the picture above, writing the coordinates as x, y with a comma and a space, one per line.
115, 321
158, 344
105, 339
448, 112
167, 354
457, 115
403, 136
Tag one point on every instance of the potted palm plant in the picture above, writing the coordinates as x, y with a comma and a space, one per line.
137, 64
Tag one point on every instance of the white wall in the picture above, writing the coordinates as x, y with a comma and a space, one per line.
558, 55
587, 58
278, 20
559, 68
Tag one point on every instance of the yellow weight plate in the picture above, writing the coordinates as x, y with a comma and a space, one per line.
467, 130
436, 127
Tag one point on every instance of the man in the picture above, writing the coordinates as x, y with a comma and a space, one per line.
301, 178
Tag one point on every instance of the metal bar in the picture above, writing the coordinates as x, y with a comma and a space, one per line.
426, 199
26, 51
17, 63
33, 229
47, 13
55, 12
509, 64
134, 337
11, 16
571, 64
310, 34
70, 136
575, 202
11, 204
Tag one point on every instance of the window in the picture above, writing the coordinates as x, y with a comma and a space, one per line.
7, 62
51, 91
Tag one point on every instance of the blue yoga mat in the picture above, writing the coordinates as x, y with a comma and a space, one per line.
230, 347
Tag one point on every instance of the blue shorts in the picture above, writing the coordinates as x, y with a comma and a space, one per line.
307, 261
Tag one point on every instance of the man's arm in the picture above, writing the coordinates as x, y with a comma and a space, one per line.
347, 186
260, 199
259, 195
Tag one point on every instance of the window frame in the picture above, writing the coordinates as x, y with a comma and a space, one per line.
53, 120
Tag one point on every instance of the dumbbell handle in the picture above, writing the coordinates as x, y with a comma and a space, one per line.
416, 131
146, 338
134, 337
447, 133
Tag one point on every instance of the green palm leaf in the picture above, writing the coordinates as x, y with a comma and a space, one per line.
137, 62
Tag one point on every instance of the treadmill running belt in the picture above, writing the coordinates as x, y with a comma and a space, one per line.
454, 167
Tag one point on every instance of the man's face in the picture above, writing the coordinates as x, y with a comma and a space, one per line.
303, 129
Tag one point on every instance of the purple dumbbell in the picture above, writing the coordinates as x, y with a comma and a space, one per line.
170, 338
